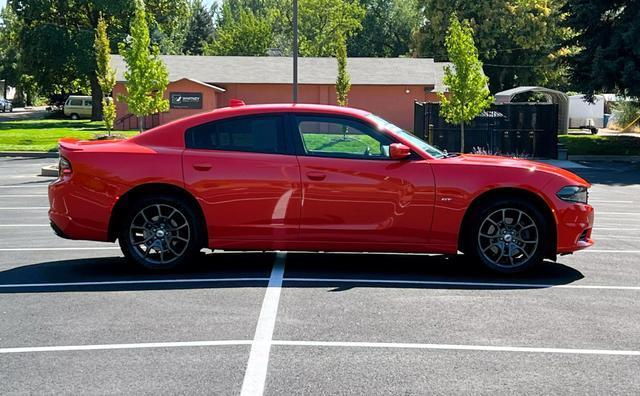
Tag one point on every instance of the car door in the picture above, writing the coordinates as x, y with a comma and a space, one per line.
246, 183
73, 106
86, 108
353, 193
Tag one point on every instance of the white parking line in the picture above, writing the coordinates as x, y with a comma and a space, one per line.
131, 282
340, 344
615, 229
605, 201
610, 251
26, 208
23, 195
123, 346
618, 213
456, 283
25, 225
58, 248
332, 344
26, 186
256, 372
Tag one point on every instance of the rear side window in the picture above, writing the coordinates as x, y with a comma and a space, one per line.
75, 102
261, 134
88, 103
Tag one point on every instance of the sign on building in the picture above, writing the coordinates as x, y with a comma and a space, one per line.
185, 100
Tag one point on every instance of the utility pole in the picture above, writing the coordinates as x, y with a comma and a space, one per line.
295, 51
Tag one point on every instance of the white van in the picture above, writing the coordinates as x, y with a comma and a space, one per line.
78, 107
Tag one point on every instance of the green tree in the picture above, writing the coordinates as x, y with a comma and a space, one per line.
320, 23
467, 83
608, 39
520, 42
9, 49
106, 75
56, 39
168, 23
246, 35
323, 22
200, 29
146, 75
343, 83
387, 29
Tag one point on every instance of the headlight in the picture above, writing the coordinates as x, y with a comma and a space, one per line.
574, 194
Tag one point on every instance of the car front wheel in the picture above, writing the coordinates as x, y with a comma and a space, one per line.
509, 236
160, 233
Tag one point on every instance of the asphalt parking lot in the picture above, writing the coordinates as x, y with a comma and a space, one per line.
75, 318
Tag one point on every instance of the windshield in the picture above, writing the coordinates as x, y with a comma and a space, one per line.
416, 141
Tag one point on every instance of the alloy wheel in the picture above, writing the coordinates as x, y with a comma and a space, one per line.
160, 234
508, 237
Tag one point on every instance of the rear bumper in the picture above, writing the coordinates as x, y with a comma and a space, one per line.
575, 223
75, 217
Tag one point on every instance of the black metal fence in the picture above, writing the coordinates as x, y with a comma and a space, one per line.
508, 129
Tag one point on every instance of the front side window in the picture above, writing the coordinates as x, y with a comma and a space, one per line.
341, 138
260, 134
74, 102
434, 152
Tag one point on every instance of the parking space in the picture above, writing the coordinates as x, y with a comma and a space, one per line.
76, 318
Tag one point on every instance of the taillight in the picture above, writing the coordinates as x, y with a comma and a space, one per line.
64, 167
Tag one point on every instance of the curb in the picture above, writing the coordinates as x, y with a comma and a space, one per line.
51, 171
30, 154
606, 158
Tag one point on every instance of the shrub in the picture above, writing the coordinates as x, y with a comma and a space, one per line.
626, 112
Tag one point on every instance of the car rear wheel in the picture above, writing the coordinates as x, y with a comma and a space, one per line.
160, 233
509, 236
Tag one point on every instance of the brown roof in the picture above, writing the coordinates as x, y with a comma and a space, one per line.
278, 70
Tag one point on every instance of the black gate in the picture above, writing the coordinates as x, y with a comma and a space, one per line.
520, 129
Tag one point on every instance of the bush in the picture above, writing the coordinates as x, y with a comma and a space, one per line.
626, 113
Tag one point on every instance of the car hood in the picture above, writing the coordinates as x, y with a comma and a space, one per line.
510, 162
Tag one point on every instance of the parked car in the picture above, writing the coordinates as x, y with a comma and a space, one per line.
6, 105
311, 177
78, 107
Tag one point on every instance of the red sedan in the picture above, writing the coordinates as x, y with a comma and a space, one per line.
313, 178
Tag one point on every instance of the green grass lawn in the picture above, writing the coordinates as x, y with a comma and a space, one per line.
43, 134
601, 145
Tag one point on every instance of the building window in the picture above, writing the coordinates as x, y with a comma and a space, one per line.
260, 134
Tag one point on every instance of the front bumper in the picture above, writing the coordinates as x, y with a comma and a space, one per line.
575, 224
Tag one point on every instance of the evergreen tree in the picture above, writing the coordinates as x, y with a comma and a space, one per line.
106, 75
343, 83
200, 29
609, 41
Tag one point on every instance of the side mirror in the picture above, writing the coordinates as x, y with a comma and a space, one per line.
399, 151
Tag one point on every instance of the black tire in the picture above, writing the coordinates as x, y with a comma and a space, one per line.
74, 116
160, 236
521, 254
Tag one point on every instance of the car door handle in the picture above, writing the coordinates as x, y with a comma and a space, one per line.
316, 176
202, 167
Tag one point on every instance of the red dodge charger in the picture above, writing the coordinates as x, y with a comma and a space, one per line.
313, 178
